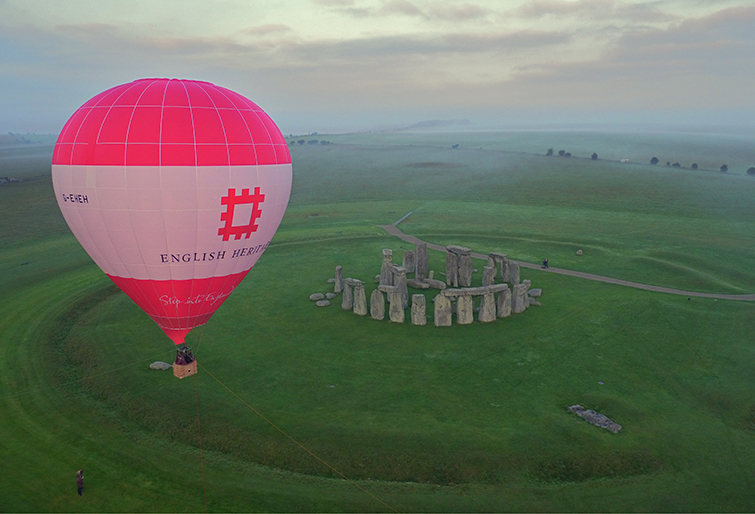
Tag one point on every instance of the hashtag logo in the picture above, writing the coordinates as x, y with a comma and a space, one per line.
232, 201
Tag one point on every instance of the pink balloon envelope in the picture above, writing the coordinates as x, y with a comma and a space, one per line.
174, 188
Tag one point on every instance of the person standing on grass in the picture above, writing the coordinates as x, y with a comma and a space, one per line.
80, 481
545, 262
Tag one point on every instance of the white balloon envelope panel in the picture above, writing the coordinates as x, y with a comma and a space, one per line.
174, 188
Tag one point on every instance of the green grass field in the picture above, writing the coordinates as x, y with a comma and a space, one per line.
464, 418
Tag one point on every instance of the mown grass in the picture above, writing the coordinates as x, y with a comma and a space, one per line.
468, 418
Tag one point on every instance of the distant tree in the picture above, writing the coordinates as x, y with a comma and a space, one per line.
751, 171
694, 166
312, 142
594, 157
654, 160
301, 141
561, 153
676, 165
668, 163
567, 154
455, 146
724, 168
323, 142
549, 152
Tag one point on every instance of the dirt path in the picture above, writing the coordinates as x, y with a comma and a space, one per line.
395, 231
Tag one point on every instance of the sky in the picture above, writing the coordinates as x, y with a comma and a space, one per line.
345, 65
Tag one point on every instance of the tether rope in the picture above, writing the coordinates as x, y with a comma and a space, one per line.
295, 441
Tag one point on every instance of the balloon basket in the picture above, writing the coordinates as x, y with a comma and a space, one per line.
185, 370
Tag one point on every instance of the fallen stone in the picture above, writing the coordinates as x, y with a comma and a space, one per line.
535, 293
330, 296
322, 303
534, 302
579, 252
316, 296
160, 366
331, 280
595, 418
418, 284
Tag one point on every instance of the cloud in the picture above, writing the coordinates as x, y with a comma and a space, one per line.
402, 7
264, 30
595, 10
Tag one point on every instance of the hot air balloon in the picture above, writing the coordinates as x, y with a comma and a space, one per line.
174, 188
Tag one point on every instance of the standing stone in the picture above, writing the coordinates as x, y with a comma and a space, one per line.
488, 275
442, 314
503, 306
514, 278
487, 308
338, 287
347, 302
419, 309
408, 261
465, 310
396, 309
519, 300
386, 277
360, 299
491, 261
377, 305
505, 268
452, 269
465, 269
399, 280
422, 263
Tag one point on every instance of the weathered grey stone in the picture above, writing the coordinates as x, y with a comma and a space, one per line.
396, 308
418, 284
377, 305
452, 269
422, 263
360, 299
408, 261
579, 252
347, 301
352, 281
435, 284
488, 275
474, 291
487, 308
505, 270
531, 301
503, 304
442, 311
465, 270
331, 280
595, 418
160, 366
338, 287
535, 293
519, 301
399, 280
322, 303
386, 277
431, 275
491, 261
419, 309
316, 296
465, 310
330, 296
458, 250
514, 277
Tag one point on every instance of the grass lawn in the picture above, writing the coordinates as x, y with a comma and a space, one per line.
463, 418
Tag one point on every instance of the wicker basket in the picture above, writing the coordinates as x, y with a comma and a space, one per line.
185, 370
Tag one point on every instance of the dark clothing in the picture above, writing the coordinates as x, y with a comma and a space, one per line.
80, 482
